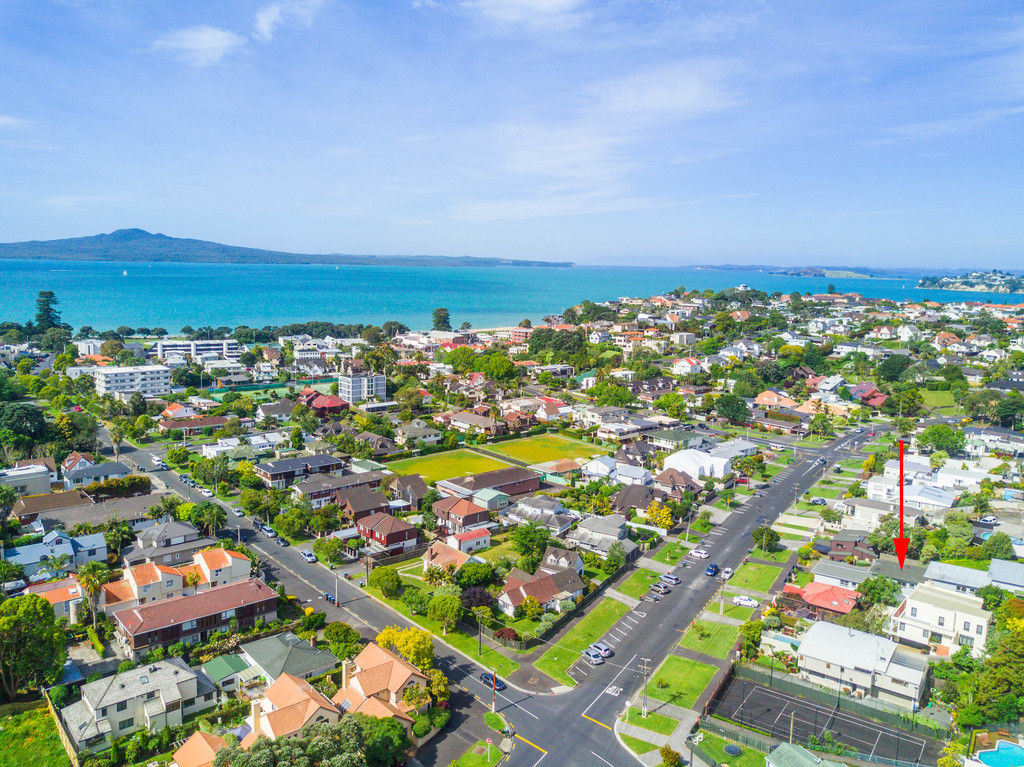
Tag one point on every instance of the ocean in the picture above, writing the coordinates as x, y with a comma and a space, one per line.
107, 295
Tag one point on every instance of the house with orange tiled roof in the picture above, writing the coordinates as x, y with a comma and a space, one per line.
199, 750
773, 399
374, 683
440, 554
178, 410
287, 705
944, 339
150, 582
65, 595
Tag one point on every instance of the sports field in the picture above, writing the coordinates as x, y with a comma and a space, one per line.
544, 447
454, 463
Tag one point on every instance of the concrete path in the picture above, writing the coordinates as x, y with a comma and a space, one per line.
626, 600
652, 564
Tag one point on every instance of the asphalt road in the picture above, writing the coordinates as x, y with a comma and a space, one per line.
572, 729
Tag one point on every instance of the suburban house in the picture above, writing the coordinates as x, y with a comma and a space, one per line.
410, 488
599, 534
795, 755
287, 705
511, 481
46, 462
936, 618
285, 472
675, 483
442, 555
852, 544
469, 422
199, 750
98, 472
410, 434
374, 683
548, 588
964, 580
190, 427
469, 541
386, 533
356, 503
561, 559
230, 672
171, 543
698, 464
150, 582
285, 653
542, 509
65, 595
194, 618
58, 552
862, 664
459, 514
149, 697
817, 601
76, 460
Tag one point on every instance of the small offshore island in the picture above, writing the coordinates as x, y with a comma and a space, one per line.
995, 281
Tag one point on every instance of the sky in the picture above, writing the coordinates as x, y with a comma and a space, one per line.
629, 132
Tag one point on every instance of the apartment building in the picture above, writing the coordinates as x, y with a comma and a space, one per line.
222, 347
150, 697
357, 387
148, 380
26, 480
934, 617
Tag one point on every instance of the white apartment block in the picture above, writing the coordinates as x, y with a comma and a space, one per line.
356, 388
935, 617
222, 347
148, 380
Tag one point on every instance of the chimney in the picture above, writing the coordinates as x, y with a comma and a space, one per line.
254, 707
312, 640
344, 673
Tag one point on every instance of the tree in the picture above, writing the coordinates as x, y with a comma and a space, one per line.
413, 644
385, 740
8, 497
938, 459
92, 576
616, 557
446, 610
659, 515
31, 644
879, 590
386, 579
669, 756
942, 436
417, 600
330, 549
440, 319
47, 315
438, 685
733, 408
765, 538
475, 574
476, 596
531, 607
530, 540
999, 546
117, 535
116, 433
750, 639
209, 517
296, 438
344, 640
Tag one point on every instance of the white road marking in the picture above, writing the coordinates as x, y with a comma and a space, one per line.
613, 680
603, 760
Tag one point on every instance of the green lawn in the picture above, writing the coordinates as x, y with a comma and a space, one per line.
497, 551
778, 555
31, 738
545, 447
597, 576
491, 659
791, 536
556, 661
715, 639
670, 553
494, 721
853, 464
680, 681
731, 610
827, 492
755, 576
937, 399
660, 723
715, 748
454, 463
637, 584
636, 745
803, 577
476, 756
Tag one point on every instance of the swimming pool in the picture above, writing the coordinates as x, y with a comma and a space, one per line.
1005, 754
1014, 541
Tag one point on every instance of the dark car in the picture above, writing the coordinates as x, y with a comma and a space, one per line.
492, 681
712, 570
282, 542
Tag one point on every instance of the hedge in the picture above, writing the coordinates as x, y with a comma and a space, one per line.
97, 643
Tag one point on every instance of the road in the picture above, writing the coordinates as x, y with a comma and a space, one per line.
573, 728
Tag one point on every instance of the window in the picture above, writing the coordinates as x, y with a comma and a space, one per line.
903, 626
126, 724
978, 629
228, 614
967, 625
189, 702
965, 641
188, 625
942, 621
122, 705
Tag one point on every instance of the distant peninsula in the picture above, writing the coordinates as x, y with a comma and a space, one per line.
995, 281
140, 245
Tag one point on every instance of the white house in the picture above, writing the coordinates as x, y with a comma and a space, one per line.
935, 617
697, 463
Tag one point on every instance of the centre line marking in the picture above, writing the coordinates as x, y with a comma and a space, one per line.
596, 722
530, 743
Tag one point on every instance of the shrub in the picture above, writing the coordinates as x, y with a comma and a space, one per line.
97, 643
314, 622
386, 579
421, 726
507, 632
669, 757
439, 716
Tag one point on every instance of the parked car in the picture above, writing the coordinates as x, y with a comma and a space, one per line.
593, 657
819, 502
237, 511
282, 542
988, 519
742, 480
837, 469
660, 588
268, 531
670, 578
700, 554
711, 570
726, 574
822, 461
308, 555
744, 601
206, 492
492, 681
602, 649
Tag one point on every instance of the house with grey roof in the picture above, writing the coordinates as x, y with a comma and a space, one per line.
57, 553
966, 580
149, 697
82, 476
170, 542
599, 534
287, 654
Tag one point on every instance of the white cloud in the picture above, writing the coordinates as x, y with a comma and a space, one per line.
296, 13
529, 13
6, 121
201, 46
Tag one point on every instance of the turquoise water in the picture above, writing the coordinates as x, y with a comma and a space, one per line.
173, 295
1005, 754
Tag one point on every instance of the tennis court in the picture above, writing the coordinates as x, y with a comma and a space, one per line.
779, 713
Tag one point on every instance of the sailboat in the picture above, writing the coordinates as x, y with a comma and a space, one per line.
124, 273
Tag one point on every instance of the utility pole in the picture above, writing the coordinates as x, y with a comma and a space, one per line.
645, 667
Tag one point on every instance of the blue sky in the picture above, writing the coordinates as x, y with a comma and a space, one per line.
638, 132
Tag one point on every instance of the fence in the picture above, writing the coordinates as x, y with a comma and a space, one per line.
62, 733
378, 560
763, 743
869, 708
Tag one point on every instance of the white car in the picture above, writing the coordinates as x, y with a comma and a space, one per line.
308, 555
989, 520
744, 601
700, 554
726, 574
206, 492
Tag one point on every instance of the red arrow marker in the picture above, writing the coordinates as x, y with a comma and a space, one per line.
901, 543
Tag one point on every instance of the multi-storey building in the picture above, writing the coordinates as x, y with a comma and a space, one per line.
356, 387
148, 380
222, 347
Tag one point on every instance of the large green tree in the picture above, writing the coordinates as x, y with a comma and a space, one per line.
441, 319
31, 644
733, 408
942, 436
47, 315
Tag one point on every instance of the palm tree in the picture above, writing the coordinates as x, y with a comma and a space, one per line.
434, 576
213, 518
91, 577
116, 438
8, 497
